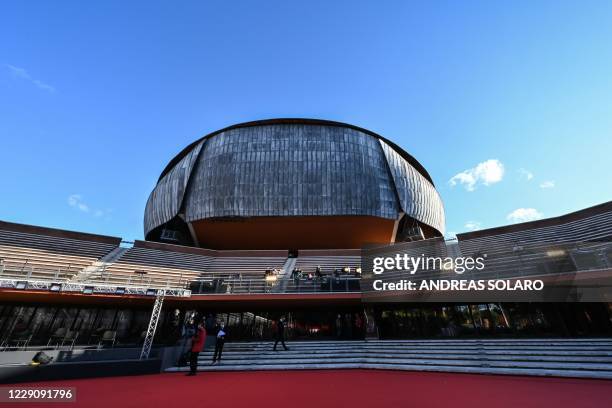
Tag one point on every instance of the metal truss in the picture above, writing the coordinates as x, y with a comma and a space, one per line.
148, 341
91, 288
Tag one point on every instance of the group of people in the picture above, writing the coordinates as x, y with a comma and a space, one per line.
318, 273
198, 340
297, 274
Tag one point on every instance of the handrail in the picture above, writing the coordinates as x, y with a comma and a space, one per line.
530, 259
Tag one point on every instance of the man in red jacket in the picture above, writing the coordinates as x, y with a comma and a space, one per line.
197, 345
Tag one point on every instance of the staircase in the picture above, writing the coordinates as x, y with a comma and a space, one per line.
96, 270
587, 358
285, 275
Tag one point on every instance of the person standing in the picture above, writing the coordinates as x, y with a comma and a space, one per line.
348, 326
187, 332
339, 326
280, 333
359, 325
197, 345
220, 333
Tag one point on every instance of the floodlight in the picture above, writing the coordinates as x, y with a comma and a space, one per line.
553, 253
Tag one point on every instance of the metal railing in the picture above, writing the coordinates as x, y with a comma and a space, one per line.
24, 270
108, 283
262, 286
525, 260
506, 261
139, 280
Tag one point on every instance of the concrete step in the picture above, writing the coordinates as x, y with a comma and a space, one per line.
230, 357
399, 352
429, 343
289, 364
465, 349
589, 358
438, 368
447, 341
606, 342
98, 267
374, 345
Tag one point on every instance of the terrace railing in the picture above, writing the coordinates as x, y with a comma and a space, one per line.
322, 285
24, 270
522, 260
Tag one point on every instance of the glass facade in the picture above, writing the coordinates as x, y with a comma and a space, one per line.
41, 325
504, 320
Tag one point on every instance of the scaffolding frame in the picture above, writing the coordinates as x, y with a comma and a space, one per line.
155, 314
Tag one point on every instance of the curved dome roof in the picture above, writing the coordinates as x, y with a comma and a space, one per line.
403, 153
293, 167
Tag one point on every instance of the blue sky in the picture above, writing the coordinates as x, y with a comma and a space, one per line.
96, 97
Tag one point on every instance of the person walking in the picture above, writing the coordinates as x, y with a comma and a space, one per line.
197, 345
187, 332
280, 333
220, 333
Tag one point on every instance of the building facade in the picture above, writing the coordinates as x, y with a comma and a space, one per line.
293, 183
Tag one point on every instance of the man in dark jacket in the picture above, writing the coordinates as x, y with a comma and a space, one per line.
280, 333
220, 333
197, 345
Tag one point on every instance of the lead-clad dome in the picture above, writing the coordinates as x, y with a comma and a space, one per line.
292, 183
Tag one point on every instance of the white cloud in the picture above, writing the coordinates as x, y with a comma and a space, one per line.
76, 201
526, 174
485, 173
23, 74
450, 235
472, 225
524, 214
547, 184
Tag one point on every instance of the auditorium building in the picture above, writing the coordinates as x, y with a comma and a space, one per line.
269, 218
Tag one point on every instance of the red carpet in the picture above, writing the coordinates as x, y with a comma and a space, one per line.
338, 389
